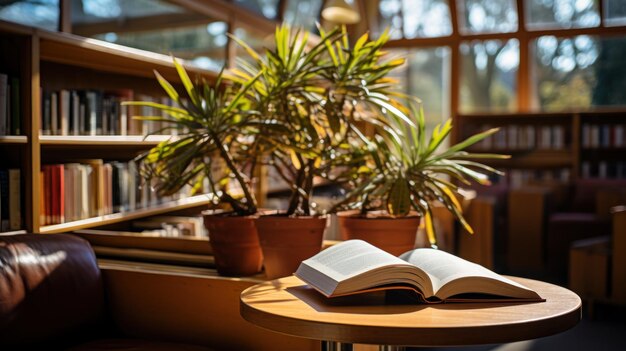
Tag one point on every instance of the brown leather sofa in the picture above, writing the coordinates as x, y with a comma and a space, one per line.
52, 297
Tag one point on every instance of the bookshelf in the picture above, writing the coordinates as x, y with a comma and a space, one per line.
194, 201
559, 147
46, 61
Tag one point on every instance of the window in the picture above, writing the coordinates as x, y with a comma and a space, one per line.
303, 13
615, 12
426, 74
567, 56
266, 8
487, 16
489, 75
38, 13
153, 25
544, 14
579, 72
413, 18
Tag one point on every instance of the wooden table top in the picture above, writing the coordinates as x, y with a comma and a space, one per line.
289, 306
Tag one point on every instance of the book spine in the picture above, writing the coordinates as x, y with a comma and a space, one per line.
60, 170
618, 139
64, 112
4, 85
15, 206
54, 113
16, 114
42, 202
4, 200
54, 195
45, 114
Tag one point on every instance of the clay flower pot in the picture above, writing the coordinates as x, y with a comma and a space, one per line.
287, 241
235, 244
394, 235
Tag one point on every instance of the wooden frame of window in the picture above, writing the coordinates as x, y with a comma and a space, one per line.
522, 34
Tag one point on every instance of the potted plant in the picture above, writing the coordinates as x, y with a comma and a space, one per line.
209, 122
405, 175
311, 99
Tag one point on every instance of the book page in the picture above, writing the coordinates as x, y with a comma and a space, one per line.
354, 265
351, 258
444, 268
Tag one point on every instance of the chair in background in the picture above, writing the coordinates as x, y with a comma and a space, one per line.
545, 220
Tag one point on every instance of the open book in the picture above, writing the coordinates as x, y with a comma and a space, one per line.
355, 266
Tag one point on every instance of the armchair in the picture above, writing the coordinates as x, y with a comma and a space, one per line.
52, 297
547, 220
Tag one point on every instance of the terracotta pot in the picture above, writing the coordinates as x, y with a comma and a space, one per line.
287, 241
394, 235
235, 244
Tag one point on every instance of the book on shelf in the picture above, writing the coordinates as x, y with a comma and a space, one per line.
4, 86
16, 107
354, 267
10, 105
10, 200
88, 188
595, 136
172, 226
96, 112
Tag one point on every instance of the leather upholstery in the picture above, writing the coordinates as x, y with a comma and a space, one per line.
52, 298
50, 289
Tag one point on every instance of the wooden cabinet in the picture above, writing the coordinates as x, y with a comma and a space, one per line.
48, 61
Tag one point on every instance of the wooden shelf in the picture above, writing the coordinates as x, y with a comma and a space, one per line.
101, 140
108, 57
13, 139
14, 232
532, 158
190, 202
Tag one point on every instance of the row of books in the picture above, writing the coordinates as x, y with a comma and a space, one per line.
595, 136
92, 188
10, 200
525, 137
172, 226
10, 114
603, 169
95, 112
517, 178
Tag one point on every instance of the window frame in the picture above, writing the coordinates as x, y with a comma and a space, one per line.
525, 37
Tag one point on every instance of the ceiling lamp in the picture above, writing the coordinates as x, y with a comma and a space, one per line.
341, 12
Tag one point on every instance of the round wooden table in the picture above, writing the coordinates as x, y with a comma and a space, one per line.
289, 306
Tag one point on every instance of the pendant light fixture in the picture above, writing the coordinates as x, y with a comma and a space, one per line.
342, 12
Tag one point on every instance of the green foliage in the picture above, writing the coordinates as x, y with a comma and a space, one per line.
408, 173
209, 123
312, 97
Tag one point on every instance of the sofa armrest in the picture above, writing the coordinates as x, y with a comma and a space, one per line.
187, 305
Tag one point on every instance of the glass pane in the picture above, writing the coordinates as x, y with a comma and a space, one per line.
38, 13
487, 16
414, 18
303, 13
489, 75
153, 25
266, 8
252, 38
550, 14
579, 72
615, 12
427, 76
